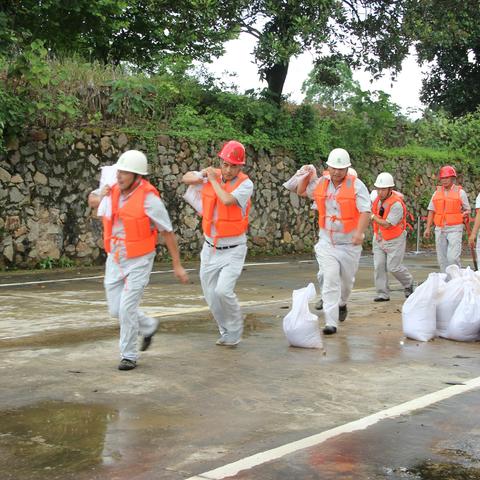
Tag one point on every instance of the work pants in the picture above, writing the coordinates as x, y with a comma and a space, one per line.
339, 264
388, 257
124, 286
449, 247
219, 272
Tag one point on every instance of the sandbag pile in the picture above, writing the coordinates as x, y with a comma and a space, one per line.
446, 305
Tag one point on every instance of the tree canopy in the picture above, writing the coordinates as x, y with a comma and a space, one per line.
447, 38
139, 32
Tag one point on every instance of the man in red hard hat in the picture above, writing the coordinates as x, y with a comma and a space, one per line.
225, 204
447, 210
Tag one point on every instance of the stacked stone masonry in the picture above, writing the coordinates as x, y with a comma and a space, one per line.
45, 179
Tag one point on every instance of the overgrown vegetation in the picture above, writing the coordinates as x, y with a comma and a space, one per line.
38, 92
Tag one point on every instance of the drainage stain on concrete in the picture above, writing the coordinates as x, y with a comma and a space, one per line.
52, 439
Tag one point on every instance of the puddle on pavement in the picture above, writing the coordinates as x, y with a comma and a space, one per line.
429, 470
60, 337
52, 439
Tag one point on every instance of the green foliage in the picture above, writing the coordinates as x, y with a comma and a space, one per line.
50, 263
67, 93
446, 34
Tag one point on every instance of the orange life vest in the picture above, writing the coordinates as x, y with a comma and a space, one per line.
140, 237
448, 209
230, 221
349, 214
395, 230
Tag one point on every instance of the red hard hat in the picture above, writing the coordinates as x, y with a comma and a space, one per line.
447, 171
233, 152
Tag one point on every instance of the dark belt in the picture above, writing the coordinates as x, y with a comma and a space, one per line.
220, 248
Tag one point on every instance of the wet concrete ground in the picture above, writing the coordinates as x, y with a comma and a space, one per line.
191, 406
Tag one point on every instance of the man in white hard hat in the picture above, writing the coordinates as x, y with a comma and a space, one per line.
225, 205
130, 236
319, 303
344, 206
389, 219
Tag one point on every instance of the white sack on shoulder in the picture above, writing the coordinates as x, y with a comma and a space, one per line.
292, 183
300, 325
193, 196
419, 310
108, 177
465, 323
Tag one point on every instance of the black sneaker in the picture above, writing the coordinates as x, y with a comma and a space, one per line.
342, 313
408, 291
329, 330
147, 340
319, 305
126, 364
381, 299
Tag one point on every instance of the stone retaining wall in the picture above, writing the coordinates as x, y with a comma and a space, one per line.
45, 179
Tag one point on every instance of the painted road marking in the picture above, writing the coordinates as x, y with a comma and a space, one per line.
276, 453
96, 277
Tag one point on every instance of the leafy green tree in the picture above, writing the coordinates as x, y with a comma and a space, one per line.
330, 84
139, 32
447, 38
370, 31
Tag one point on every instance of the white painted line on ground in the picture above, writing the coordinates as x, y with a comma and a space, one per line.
38, 282
232, 469
74, 279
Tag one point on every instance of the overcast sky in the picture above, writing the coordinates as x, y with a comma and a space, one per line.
238, 59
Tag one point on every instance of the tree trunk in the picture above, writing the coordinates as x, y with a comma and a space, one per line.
275, 77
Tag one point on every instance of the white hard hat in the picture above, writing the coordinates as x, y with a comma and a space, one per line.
384, 180
352, 171
338, 158
133, 161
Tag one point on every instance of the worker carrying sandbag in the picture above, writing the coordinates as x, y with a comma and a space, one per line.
344, 209
389, 220
447, 209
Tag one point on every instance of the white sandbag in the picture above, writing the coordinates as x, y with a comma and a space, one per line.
454, 271
300, 325
419, 310
193, 196
107, 177
450, 295
292, 183
465, 323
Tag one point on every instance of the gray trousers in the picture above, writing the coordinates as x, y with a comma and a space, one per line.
339, 264
449, 247
219, 272
388, 257
124, 289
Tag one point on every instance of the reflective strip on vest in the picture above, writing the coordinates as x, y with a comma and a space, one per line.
395, 230
346, 199
140, 238
448, 209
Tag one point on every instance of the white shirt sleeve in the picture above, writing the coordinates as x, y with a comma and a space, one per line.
312, 185
430, 205
395, 215
465, 202
156, 211
477, 201
363, 197
243, 193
